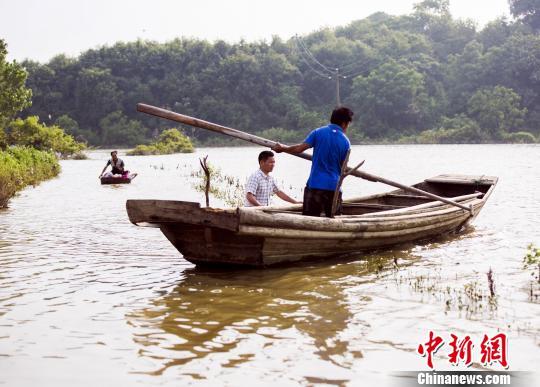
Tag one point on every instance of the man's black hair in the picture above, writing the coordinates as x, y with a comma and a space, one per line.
114, 152
341, 115
265, 155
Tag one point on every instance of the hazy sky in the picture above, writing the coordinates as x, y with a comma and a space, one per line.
40, 29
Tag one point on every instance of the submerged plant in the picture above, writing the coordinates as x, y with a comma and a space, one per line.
532, 259
225, 187
471, 298
491, 282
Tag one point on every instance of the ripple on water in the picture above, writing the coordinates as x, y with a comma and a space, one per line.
87, 298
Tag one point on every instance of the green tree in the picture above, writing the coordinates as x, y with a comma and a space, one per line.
495, 33
435, 7
96, 95
14, 96
516, 65
464, 74
497, 110
117, 129
389, 101
404, 74
71, 127
526, 10
448, 36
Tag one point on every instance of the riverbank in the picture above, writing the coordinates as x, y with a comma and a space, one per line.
22, 166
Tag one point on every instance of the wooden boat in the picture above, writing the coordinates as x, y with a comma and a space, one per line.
262, 236
118, 179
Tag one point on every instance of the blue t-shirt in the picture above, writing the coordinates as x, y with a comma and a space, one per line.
330, 146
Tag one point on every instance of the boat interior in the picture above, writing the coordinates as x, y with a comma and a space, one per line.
402, 199
447, 186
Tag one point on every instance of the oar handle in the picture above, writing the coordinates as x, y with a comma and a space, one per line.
187, 120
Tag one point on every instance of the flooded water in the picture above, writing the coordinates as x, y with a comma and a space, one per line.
88, 299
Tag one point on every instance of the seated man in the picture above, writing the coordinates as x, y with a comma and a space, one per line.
260, 185
116, 164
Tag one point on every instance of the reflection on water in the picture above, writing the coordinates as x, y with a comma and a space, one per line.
88, 299
213, 311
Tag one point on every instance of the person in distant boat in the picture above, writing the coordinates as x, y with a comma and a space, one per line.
116, 164
261, 186
330, 146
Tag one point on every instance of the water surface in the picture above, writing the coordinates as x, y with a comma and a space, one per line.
86, 298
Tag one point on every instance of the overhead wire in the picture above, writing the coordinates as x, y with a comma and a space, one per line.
307, 62
307, 57
358, 71
301, 44
328, 76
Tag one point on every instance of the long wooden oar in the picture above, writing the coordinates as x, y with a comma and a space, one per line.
187, 120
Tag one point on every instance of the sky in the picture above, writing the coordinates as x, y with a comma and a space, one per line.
41, 29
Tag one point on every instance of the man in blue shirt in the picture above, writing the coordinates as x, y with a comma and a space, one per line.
330, 145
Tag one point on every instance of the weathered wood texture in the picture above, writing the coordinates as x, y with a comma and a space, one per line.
169, 211
209, 245
280, 250
261, 236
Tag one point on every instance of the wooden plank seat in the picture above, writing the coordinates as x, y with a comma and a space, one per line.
373, 205
405, 196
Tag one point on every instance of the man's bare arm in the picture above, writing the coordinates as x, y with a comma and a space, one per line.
286, 197
298, 148
251, 198
101, 174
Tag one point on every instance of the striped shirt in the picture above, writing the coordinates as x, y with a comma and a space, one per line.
262, 187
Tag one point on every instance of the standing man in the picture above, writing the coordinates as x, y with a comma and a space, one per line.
261, 186
116, 164
330, 146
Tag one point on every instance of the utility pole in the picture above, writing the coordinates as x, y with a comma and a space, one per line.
325, 71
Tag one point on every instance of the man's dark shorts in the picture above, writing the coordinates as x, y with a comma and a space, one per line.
319, 200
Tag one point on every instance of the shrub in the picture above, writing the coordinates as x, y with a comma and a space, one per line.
143, 150
456, 130
170, 141
79, 156
30, 133
519, 138
22, 166
3, 139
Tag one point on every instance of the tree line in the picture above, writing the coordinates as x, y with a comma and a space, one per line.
29, 150
421, 77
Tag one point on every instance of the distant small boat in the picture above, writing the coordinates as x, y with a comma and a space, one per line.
262, 236
118, 179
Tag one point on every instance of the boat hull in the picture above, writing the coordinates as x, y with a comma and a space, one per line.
211, 245
271, 235
117, 179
